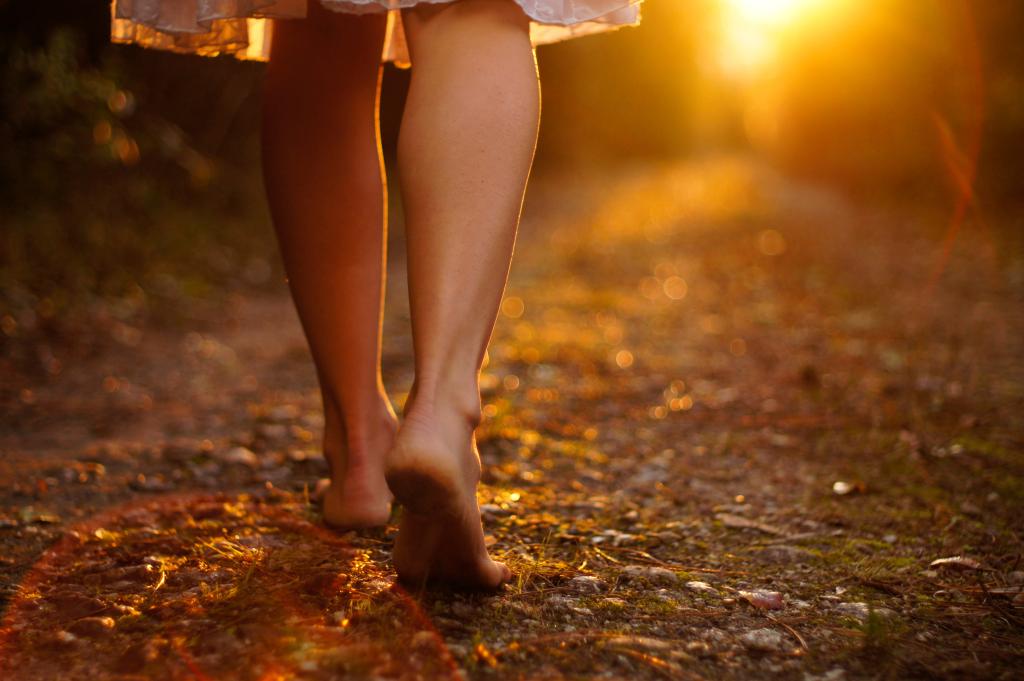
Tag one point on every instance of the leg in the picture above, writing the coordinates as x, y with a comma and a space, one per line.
324, 181
465, 150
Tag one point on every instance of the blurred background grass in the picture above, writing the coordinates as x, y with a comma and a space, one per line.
129, 179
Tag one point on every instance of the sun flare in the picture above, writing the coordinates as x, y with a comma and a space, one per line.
767, 12
753, 29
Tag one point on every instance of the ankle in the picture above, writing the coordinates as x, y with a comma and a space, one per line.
361, 437
432, 402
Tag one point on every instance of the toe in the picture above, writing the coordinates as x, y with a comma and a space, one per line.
496, 574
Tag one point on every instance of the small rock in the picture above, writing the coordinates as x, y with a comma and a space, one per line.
239, 455
862, 610
784, 554
837, 674
716, 635
702, 587
64, 638
764, 600
587, 584
842, 488
285, 412
1016, 577
762, 640
650, 573
425, 639
457, 650
494, 511
275, 432
741, 523
699, 648
888, 539
92, 626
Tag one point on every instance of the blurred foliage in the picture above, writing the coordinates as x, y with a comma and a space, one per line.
891, 98
111, 197
135, 173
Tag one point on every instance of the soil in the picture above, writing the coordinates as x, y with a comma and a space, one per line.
737, 427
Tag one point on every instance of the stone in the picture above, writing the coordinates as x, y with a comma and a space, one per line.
92, 626
650, 573
587, 584
762, 640
836, 674
239, 455
783, 554
702, 587
861, 611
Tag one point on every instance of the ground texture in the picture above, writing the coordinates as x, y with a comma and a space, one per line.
735, 429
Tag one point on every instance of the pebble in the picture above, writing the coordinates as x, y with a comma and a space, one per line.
285, 412
861, 610
239, 455
762, 640
716, 635
494, 511
764, 600
837, 674
275, 432
64, 638
425, 639
92, 626
587, 584
457, 650
653, 574
784, 554
1016, 577
703, 587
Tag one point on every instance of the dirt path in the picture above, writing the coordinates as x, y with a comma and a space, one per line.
729, 429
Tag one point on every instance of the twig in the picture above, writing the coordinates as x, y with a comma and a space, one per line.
791, 630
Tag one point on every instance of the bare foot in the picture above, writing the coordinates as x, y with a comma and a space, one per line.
434, 475
356, 496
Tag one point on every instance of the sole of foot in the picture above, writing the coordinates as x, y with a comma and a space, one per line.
440, 538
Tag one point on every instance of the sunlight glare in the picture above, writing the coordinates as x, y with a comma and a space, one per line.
753, 29
766, 12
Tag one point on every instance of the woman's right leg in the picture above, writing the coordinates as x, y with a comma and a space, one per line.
465, 150
324, 181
